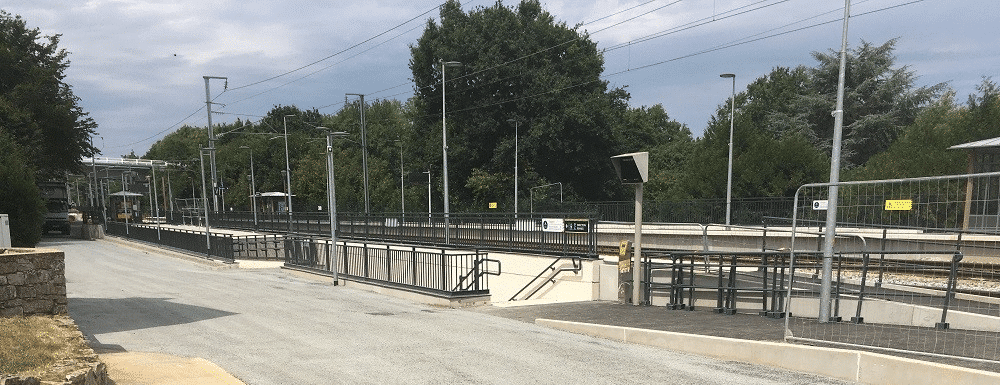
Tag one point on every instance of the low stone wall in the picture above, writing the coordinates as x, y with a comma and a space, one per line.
81, 368
32, 281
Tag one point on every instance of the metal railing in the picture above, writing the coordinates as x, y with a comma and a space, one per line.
498, 232
440, 272
194, 241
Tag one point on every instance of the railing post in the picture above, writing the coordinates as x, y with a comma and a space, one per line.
858, 319
444, 271
950, 292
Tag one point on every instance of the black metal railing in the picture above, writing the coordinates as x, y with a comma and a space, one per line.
440, 272
498, 232
218, 246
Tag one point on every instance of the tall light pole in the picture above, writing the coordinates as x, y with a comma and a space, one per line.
444, 146
211, 137
331, 194
253, 187
288, 169
364, 150
729, 174
515, 164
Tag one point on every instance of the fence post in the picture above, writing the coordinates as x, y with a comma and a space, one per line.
858, 319
951, 292
413, 261
444, 271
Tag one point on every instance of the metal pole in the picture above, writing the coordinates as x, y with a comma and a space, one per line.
515, 163
331, 193
364, 150
124, 204
402, 193
428, 172
729, 174
204, 200
831, 211
637, 246
211, 138
288, 170
156, 205
444, 151
253, 187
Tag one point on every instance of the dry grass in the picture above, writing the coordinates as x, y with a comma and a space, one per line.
29, 346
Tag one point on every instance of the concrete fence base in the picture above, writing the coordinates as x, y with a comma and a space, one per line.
862, 367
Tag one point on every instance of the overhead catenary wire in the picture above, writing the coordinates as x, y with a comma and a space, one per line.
727, 14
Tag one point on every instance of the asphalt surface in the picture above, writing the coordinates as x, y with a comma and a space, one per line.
270, 326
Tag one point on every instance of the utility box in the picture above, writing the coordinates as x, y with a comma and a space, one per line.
4, 231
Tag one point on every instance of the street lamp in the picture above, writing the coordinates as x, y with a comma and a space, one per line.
253, 187
444, 145
729, 174
515, 163
331, 193
364, 150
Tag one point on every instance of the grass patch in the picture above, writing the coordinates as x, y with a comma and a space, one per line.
30, 345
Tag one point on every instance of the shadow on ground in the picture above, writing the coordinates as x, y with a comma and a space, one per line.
111, 315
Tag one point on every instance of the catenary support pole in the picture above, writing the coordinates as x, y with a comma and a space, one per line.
831, 211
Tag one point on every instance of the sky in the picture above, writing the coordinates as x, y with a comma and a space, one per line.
138, 65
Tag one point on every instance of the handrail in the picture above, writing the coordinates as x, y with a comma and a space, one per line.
577, 266
478, 273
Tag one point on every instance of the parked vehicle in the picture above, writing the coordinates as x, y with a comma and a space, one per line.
56, 197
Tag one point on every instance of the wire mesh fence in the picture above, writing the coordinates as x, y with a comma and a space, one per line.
914, 267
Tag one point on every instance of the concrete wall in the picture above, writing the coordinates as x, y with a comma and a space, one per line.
32, 281
519, 270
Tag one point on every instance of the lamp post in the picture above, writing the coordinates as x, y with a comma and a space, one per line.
515, 164
729, 174
331, 193
288, 171
364, 150
444, 145
253, 187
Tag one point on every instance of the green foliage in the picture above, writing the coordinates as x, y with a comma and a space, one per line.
879, 101
36, 107
517, 63
922, 149
19, 196
771, 154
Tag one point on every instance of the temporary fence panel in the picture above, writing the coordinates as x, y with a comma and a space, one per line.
915, 267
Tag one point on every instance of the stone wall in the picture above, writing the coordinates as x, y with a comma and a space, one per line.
32, 281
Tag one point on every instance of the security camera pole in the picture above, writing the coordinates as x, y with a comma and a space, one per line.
634, 169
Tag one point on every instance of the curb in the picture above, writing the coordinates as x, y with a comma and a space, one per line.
849, 365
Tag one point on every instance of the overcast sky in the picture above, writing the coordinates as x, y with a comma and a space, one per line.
137, 65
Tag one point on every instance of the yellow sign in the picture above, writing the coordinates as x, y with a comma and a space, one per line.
493, 205
899, 205
624, 257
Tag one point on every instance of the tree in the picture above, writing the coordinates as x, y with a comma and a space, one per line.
37, 108
923, 148
879, 100
19, 196
772, 156
517, 63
